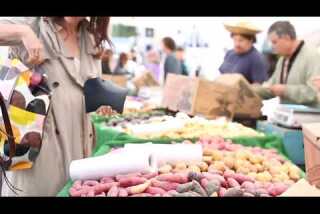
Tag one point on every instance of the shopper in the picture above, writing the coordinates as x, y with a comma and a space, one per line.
295, 69
171, 64
244, 57
180, 55
121, 68
106, 60
68, 49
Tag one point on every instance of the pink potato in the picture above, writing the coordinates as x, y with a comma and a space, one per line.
136, 174
155, 190
150, 175
232, 182
123, 192
104, 187
113, 192
131, 181
180, 178
106, 179
167, 186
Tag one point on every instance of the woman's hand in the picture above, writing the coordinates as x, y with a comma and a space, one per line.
105, 111
33, 46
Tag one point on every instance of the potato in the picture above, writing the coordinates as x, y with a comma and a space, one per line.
294, 175
255, 159
207, 159
208, 151
228, 173
195, 176
217, 155
181, 166
198, 189
176, 178
122, 192
243, 170
233, 192
90, 183
203, 166
113, 192
252, 175
222, 191
219, 165
277, 189
155, 190
106, 179
215, 194
165, 168
132, 181
240, 178
242, 155
194, 168
212, 187
248, 194
259, 167
164, 184
150, 175
185, 187
187, 194
229, 162
104, 187
232, 182
136, 174
138, 188
204, 182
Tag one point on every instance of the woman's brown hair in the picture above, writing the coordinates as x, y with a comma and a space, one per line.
98, 26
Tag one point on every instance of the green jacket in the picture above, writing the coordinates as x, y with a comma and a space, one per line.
300, 89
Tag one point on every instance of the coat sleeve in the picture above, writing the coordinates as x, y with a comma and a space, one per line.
30, 21
264, 92
305, 93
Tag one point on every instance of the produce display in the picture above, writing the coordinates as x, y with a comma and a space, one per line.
137, 105
183, 126
227, 170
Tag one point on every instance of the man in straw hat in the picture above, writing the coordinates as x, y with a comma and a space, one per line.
244, 57
298, 65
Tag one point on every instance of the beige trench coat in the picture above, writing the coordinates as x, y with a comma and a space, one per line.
68, 132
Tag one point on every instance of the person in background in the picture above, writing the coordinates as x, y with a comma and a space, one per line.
106, 59
171, 64
295, 70
180, 55
244, 57
121, 66
152, 62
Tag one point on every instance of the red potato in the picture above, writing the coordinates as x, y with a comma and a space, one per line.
204, 182
175, 178
232, 182
150, 175
277, 189
104, 187
167, 186
91, 193
261, 191
103, 194
90, 183
142, 195
106, 179
228, 173
131, 181
222, 191
155, 190
75, 192
172, 192
136, 174
123, 192
240, 178
113, 192
138, 188
77, 184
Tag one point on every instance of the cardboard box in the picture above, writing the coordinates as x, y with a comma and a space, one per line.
249, 103
120, 80
312, 152
146, 79
195, 96
301, 188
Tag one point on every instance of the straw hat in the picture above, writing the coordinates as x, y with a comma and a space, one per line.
242, 28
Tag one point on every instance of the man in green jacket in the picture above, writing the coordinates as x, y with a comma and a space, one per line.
295, 69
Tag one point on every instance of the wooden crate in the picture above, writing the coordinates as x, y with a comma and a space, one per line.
312, 152
195, 96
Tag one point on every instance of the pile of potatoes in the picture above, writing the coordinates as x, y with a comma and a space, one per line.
227, 169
